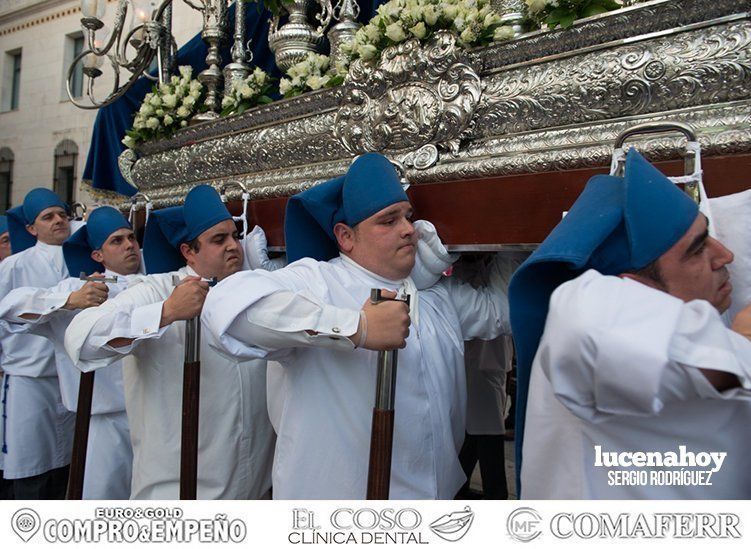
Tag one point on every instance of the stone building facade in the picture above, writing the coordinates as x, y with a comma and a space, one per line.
44, 137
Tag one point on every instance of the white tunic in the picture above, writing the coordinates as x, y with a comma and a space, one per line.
617, 368
235, 446
487, 363
109, 455
39, 429
327, 387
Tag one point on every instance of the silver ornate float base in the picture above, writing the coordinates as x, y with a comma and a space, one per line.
546, 101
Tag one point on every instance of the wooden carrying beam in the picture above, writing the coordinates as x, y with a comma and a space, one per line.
517, 209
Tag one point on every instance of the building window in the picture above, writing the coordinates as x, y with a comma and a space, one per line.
75, 47
6, 178
16, 82
11, 81
66, 158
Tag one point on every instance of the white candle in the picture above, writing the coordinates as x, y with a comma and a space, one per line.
92, 61
93, 8
88, 8
140, 18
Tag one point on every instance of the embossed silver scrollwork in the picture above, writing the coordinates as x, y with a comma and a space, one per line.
414, 96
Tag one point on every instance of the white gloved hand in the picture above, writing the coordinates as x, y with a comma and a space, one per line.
432, 257
256, 253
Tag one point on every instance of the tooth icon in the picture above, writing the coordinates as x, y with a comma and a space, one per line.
453, 526
25, 523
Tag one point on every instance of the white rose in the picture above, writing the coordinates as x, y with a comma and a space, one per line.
342, 67
395, 32
129, 142
182, 112
536, 6
170, 101
227, 101
245, 91
195, 94
195, 85
183, 123
372, 33
451, 11
367, 51
468, 36
186, 71
503, 33
315, 82
152, 123
168, 120
159, 112
284, 86
146, 109
294, 71
346, 47
260, 76
431, 15
189, 101
491, 19
155, 101
419, 30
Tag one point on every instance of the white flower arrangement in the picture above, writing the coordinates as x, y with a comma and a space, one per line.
253, 90
473, 22
166, 108
563, 13
312, 73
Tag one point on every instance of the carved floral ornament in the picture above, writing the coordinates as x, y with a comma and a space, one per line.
412, 98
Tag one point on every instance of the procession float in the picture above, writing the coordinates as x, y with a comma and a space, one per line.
496, 111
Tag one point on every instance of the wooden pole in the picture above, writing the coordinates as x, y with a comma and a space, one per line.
80, 437
191, 392
382, 427
83, 420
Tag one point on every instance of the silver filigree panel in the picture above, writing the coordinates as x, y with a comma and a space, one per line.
701, 67
413, 96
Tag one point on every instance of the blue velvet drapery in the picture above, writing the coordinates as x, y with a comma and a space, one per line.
112, 121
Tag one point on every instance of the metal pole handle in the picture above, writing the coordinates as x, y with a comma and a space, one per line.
382, 427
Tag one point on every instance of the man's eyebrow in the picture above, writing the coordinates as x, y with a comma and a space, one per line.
388, 213
697, 242
394, 211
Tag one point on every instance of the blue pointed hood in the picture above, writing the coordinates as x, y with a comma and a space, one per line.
370, 184
616, 225
102, 222
36, 201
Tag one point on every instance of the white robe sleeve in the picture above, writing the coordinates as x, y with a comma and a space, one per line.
259, 314
132, 314
44, 302
484, 311
614, 347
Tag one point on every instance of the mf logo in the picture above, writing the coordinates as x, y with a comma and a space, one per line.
524, 524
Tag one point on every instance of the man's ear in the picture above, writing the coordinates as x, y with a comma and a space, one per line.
33, 230
97, 256
187, 252
345, 237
